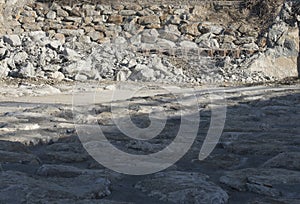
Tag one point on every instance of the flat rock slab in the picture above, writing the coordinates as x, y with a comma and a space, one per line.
270, 182
183, 188
17, 187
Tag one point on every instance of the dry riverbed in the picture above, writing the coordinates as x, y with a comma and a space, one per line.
256, 160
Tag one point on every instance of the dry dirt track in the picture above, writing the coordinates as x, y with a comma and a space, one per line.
257, 159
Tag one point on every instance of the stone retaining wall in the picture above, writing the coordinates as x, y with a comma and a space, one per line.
42, 39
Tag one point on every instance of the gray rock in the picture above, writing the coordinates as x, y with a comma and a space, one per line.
51, 15
37, 35
28, 70
80, 77
16, 187
188, 45
149, 36
15, 157
149, 20
58, 171
127, 12
71, 54
183, 187
4, 69
20, 57
95, 35
123, 74
268, 182
165, 44
55, 44
71, 32
143, 73
3, 52
12, 40
286, 160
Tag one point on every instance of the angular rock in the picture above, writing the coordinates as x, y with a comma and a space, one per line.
12, 40
149, 36
149, 20
116, 19
143, 73
191, 29
28, 70
71, 55
95, 35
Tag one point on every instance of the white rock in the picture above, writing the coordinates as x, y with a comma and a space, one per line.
37, 35
188, 45
20, 57
28, 70
123, 74
149, 36
58, 76
71, 55
13, 40
51, 15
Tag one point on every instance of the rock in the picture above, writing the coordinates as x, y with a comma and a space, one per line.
116, 19
286, 160
191, 29
20, 57
3, 52
251, 46
71, 32
55, 44
183, 187
17, 187
143, 73
84, 39
12, 40
51, 15
149, 20
123, 74
4, 69
58, 171
282, 66
188, 45
71, 55
28, 70
18, 157
37, 35
149, 36
268, 182
66, 157
127, 12
60, 37
165, 44
62, 13
16, 147
95, 35
80, 77
57, 76
134, 7
73, 19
